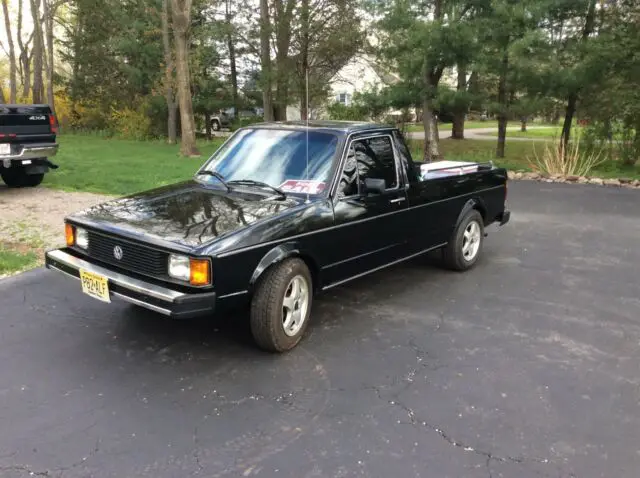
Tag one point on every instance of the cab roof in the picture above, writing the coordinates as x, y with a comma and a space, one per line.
337, 126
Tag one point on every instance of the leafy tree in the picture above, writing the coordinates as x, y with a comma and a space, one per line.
509, 28
327, 36
420, 40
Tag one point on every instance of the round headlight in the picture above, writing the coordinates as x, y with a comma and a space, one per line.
179, 267
82, 238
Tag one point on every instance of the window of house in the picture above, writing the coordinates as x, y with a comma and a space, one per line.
344, 98
368, 158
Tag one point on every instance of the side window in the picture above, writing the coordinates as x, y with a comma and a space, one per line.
368, 158
405, 157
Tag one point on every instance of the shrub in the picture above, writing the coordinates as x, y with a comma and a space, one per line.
246, 121
340, 112
572, 162
129, 123
80, 117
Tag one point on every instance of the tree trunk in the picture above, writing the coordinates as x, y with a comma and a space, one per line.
502, 101
570, 111
181, 14
49, 14
26, 82
207, 121
572, 99
3, 100
38, 51
13, 88
232, 59
457, 129
265, 60
523, 125
431, 140
168, 75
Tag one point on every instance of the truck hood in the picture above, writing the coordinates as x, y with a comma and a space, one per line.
186, 214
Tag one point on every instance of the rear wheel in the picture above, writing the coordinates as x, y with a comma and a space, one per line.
281, 306
465, 245
18, 178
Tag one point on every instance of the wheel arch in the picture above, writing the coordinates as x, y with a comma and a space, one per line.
281, 253
473, 203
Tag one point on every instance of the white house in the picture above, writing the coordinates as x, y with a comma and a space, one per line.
360, 74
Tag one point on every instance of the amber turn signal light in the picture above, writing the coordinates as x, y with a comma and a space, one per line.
200, 272
70, 234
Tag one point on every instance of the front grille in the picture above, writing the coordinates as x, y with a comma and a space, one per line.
135, 257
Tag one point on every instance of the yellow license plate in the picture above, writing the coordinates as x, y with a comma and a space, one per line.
95, 285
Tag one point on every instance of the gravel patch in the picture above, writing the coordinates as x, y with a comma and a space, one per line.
34, 217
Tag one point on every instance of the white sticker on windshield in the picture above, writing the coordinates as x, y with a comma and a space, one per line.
303, 186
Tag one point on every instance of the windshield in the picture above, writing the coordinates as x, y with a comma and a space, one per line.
278, 158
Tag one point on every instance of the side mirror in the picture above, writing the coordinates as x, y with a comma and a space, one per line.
374, 186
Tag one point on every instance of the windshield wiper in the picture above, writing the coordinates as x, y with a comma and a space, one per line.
251, 182
216, 175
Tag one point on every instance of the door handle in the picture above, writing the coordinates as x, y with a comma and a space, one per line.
397, 200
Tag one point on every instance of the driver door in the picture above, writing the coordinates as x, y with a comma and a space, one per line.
370, 210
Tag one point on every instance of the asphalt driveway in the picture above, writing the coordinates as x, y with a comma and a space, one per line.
526, 366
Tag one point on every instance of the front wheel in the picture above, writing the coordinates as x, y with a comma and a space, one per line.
281, 306
215, 124
465, 245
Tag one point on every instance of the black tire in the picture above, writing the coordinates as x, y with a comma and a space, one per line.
453, 255
215, 125
267, 306
18, 178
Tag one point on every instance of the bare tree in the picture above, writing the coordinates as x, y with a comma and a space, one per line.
168, 75
181, 16
25, 56
12, 54
50, 8
38, 52
265, 60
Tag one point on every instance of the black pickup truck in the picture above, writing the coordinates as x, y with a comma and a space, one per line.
280, 212
27, 141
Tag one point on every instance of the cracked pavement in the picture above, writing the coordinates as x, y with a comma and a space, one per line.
526, 366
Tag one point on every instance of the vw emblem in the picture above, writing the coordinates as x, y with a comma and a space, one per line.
117, 252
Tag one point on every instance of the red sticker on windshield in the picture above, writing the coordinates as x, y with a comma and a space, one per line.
303, 186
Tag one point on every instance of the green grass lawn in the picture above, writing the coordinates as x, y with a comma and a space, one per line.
552, 132
13, 261
517, 155
115, 166
118, 167
467, 124
475, 125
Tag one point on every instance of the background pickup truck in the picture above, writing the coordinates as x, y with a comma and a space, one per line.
27, 140
279, 213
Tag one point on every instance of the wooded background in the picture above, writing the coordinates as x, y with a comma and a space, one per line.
161, 68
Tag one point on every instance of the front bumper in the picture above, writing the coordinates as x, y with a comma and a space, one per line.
160, 299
